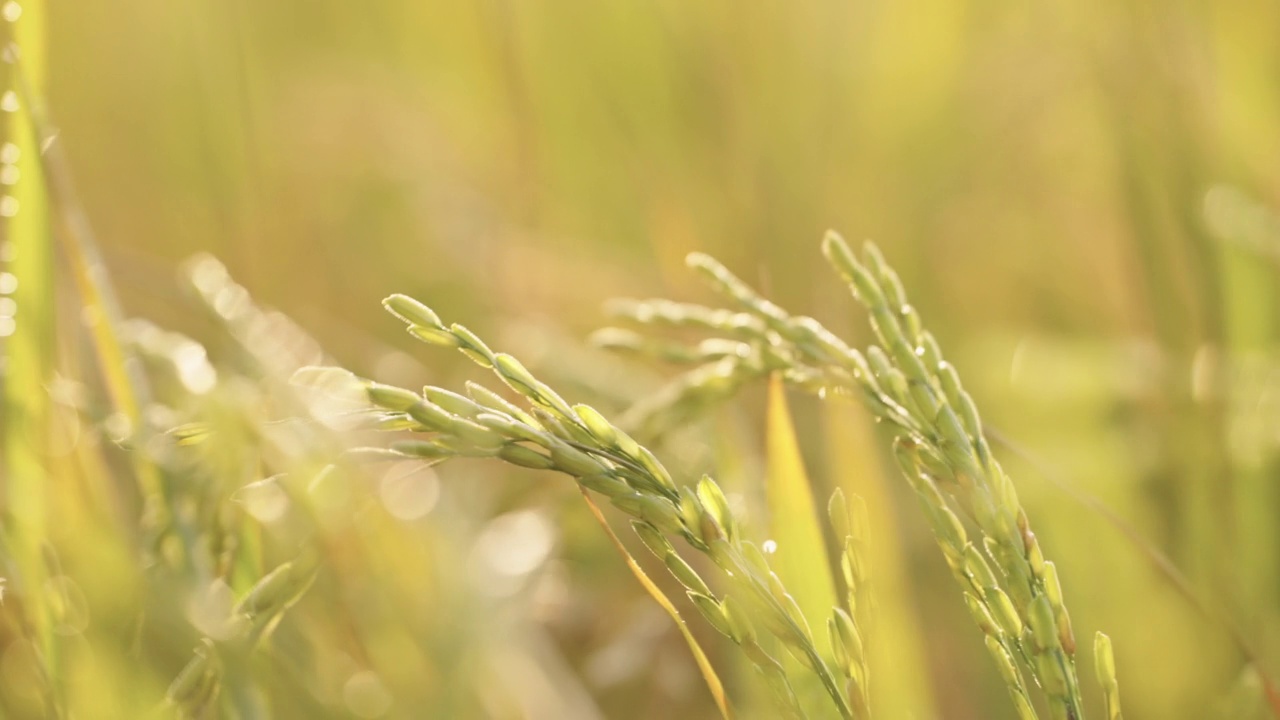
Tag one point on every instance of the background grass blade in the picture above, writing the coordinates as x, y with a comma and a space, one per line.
794, 520
28, 337
120, 369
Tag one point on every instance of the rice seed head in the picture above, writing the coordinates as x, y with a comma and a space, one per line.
712, 611
715, 504
391, 397
575, 462
846, 642
1044, 626
686, 574
525, 457
1052, 675
198, 682
431, 416
981, 616
1104, 661
472, 346
853, 563
412, 312
515, 374
1004, 661
596, 424
492, 400
513, 429
661, 513
476, 434
838, 514
1003, 610
976, 566
452, 402
606, 484
653, 539
755, 557
421, 449
741, 629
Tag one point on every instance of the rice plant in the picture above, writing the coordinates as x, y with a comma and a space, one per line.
230, 497
1011, 590
755, 611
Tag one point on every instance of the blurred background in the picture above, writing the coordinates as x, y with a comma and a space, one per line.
1076, 196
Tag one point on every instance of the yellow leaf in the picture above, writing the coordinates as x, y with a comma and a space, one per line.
704, 665
801, 555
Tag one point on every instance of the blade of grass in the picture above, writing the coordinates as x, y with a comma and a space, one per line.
28, 347
801, 557
127, 389
700, 657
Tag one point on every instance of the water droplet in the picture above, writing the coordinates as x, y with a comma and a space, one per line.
8, 281
11, 11
7, 326
8, 206
8, 307
9, 101
769, 547
9, 153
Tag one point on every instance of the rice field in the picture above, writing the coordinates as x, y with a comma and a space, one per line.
665, 438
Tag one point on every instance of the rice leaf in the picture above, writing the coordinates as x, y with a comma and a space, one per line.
801, 557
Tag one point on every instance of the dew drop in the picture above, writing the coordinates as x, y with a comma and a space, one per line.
9, 101
769, 547
8, 281
11, 11
8, 206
